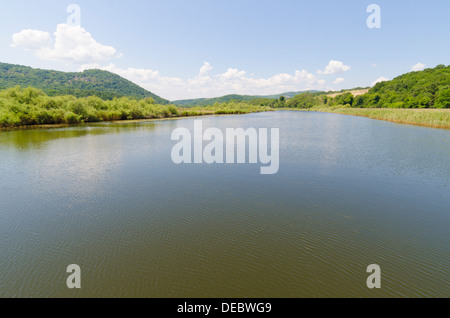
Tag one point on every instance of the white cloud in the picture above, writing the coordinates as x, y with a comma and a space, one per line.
71, 44
379, 80
205, 68
31, 39
339, 80
418, 67
334, 67
232, 81
233, 73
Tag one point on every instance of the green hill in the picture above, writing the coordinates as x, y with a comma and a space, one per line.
98, 83
425, 89
228, 98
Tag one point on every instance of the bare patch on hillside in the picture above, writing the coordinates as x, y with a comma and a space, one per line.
355, 93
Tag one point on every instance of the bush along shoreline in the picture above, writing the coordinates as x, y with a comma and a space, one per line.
23, 107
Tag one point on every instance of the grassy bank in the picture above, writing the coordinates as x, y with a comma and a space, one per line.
436, 118
31, 107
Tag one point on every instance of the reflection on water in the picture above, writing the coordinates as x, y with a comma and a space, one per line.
23, 139
350, 192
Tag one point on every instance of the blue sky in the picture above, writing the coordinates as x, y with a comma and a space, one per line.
206, 48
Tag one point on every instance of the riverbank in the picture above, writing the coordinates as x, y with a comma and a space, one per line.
197, 114
435, 118
21, 108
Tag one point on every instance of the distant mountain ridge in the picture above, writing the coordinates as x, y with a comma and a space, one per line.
103, 84
235, 97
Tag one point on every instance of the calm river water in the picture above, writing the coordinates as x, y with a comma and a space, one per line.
350, 192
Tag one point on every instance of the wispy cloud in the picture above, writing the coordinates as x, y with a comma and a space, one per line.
339, 80
205, 68
379, 80
418, 67
334, 67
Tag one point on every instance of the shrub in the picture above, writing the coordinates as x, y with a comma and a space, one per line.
72, 118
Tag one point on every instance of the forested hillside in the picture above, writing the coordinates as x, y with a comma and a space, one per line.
234, 97
102, 84
425, 89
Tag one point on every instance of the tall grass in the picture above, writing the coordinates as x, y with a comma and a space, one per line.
437, 118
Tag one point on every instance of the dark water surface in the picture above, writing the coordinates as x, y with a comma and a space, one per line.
350, 192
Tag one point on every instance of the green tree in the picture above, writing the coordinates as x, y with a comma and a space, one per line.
443, 98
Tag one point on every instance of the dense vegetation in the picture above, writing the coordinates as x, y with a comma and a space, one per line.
237, 98
102, 84
426, 89
30, 106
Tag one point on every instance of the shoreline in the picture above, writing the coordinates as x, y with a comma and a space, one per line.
382, 114
125, 121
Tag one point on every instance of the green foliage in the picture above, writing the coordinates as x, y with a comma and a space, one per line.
30, 106
270, 100
343, 99
443, 98
426, 89
212, 101
102, 84
305, 100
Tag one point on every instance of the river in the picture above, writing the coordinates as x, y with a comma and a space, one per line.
350, 192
